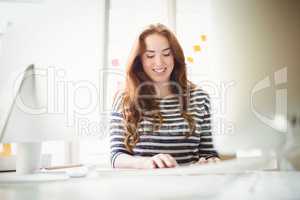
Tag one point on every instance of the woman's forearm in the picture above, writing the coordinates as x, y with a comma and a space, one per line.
127, 161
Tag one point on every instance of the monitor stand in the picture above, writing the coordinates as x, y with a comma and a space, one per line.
28, 166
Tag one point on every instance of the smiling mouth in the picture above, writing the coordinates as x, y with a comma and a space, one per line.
159, 70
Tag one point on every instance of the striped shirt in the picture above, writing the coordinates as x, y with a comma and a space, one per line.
170, 137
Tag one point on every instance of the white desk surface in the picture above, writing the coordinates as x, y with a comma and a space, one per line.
262, 185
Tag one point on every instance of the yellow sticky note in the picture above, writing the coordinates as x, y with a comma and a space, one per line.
203, 38
6, 150
190, 59
197, 48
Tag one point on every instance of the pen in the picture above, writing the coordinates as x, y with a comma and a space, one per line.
49, 168
63, 166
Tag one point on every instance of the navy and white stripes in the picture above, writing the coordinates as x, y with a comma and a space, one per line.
170, 137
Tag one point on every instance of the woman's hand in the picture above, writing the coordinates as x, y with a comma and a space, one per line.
157, 161
203, 160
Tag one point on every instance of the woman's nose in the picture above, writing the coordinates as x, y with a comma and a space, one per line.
158, 60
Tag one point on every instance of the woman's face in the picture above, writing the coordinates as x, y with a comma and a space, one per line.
158, 60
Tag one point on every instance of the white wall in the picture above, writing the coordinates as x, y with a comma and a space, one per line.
59, 33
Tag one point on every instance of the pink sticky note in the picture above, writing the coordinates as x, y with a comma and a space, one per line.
115, 62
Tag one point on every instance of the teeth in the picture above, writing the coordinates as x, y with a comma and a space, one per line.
159, 70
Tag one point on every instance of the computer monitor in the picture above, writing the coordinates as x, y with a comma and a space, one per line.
26, 120
254, 54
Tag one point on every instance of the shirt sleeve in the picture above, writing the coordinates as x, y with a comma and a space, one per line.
117, 130
206, 146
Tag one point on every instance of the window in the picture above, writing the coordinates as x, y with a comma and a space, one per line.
127, 19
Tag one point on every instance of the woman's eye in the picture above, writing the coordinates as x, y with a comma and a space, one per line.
150, 56
167, 54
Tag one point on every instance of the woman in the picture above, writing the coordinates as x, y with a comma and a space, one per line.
161, 119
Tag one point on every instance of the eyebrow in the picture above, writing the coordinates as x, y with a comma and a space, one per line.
152, 51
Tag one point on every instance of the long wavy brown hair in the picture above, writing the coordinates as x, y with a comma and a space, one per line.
139, 96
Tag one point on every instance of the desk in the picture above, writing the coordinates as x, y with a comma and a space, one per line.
251, 185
